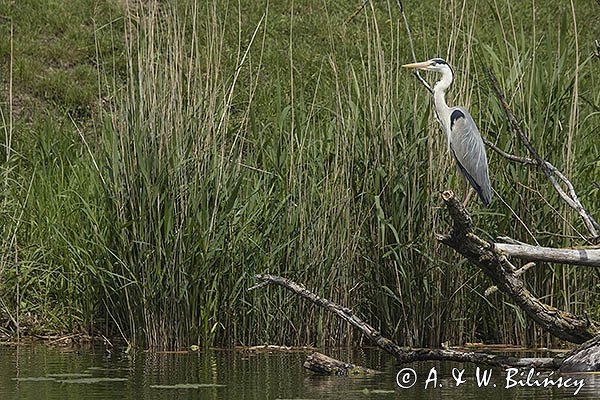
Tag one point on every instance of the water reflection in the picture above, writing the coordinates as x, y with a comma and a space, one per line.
41, 372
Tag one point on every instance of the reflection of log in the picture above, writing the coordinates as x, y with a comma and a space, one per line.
405, 355
322, 364
494, 264
581, 256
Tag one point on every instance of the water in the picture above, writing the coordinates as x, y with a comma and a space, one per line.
43, 372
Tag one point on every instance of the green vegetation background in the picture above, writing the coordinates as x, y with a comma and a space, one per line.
156, 155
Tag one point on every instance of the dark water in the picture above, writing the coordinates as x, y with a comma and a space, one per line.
42, 372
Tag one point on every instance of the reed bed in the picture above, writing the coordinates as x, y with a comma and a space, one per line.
241, 138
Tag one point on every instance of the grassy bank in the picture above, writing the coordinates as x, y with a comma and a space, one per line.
160, 155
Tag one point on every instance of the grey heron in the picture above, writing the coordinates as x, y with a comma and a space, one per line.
464, 141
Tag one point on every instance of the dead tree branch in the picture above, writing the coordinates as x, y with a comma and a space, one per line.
508, 156
494, 264
342, 312
406, 355
576, 256
552, 173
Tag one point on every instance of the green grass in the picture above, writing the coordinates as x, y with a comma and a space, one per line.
161, 156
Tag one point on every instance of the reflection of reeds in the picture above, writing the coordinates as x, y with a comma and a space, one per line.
260, 139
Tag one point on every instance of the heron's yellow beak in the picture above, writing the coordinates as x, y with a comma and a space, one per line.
419, 65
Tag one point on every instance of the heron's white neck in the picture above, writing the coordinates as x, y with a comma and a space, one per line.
439, 100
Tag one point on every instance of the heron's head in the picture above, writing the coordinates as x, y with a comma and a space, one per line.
435, 64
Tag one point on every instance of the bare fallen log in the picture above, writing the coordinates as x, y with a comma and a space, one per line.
403, 354
576, 256
495, 265
325, 365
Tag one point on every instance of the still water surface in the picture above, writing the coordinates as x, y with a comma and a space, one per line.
42, 372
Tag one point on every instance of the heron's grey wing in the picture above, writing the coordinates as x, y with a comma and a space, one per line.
467, 148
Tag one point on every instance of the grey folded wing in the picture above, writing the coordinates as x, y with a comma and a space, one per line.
468, 150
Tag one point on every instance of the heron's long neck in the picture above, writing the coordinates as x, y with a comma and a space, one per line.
439, 92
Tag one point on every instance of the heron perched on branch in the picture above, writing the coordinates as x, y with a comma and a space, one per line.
464, 140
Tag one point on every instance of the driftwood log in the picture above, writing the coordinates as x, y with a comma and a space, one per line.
493, 261
325, 365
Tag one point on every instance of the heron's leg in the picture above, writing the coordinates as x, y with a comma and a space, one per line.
468, 191
468, 196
